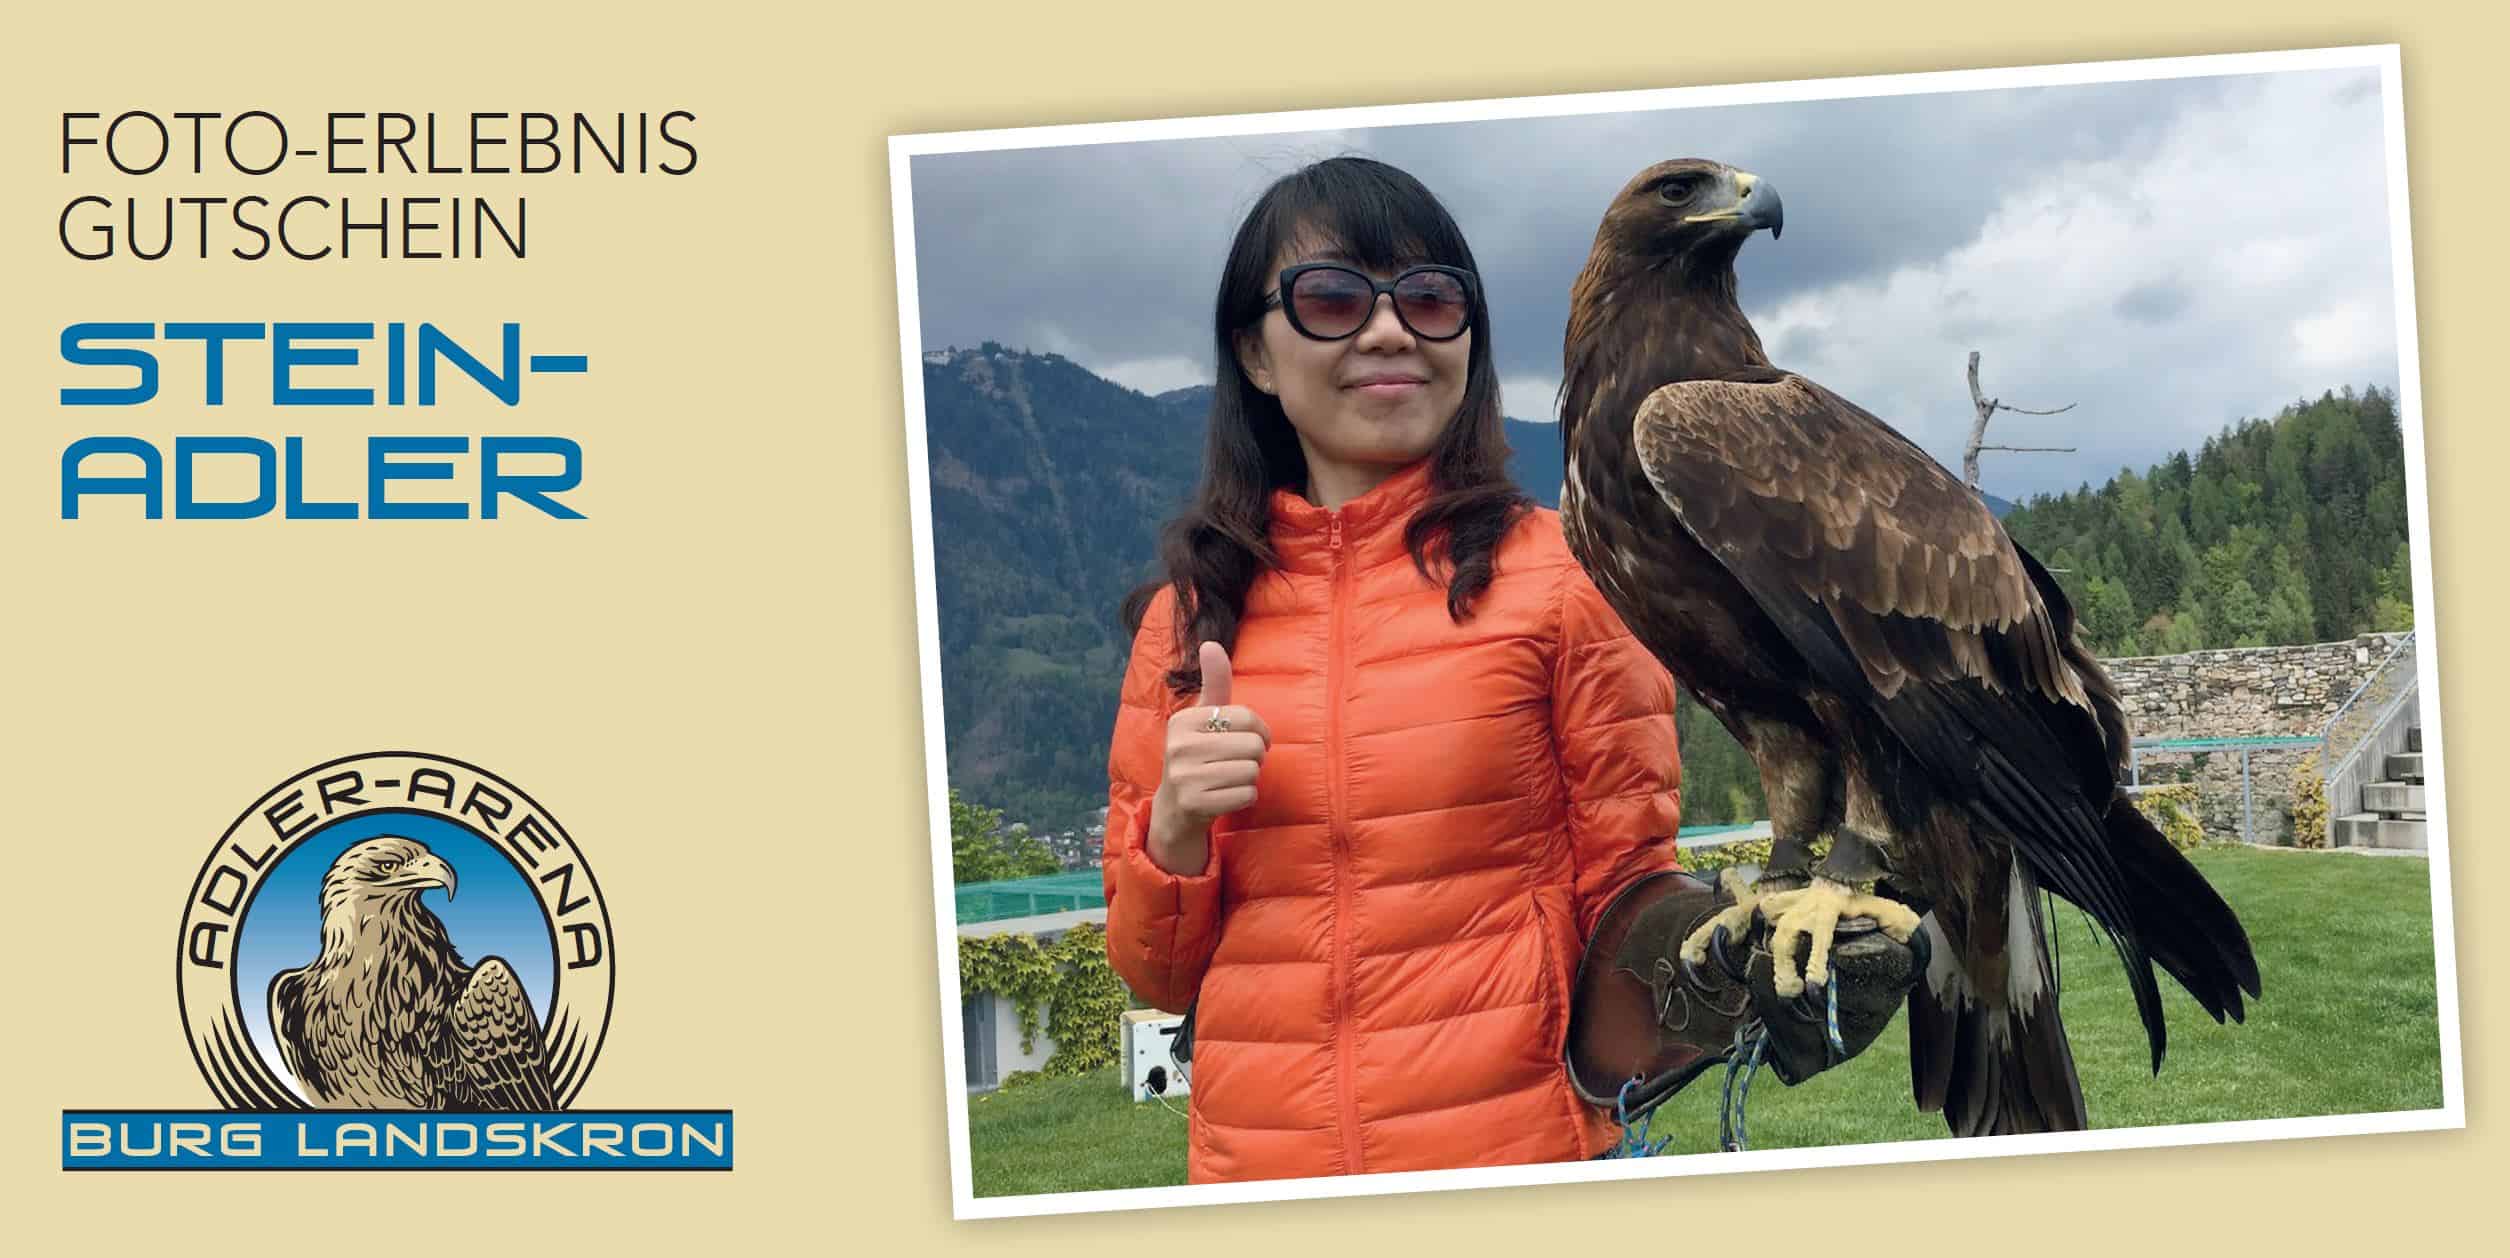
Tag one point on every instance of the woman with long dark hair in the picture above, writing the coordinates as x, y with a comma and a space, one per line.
1383, 755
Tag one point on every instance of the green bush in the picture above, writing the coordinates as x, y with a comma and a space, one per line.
981, 850
1702, 860
2309, 804
1070, 984
2173, 808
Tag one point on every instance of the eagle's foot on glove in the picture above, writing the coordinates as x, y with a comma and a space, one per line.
1733, 924
1813, 912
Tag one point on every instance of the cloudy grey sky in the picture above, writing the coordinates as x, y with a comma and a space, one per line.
2169, 256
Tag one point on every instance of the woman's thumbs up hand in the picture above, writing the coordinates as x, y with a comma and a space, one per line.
1215, 749
1215, 667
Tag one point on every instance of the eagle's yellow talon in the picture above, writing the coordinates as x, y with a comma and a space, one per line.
1735, 921
1813, 912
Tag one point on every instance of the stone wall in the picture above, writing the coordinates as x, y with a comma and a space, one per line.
2246, 692
2241, 693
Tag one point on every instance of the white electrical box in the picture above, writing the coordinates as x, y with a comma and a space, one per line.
1149, 1068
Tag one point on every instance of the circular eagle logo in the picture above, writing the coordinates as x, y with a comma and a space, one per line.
395, 931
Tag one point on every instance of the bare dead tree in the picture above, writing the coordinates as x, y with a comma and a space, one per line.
1987, 407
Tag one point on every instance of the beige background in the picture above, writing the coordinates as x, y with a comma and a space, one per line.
712, 681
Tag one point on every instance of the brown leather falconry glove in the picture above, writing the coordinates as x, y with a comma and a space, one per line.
1641, 1017
1870, 977
1638, 1012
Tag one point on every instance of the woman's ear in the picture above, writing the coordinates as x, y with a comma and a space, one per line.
1256, 360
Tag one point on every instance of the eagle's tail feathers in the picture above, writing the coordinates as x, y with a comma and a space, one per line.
2139, 966
2083, 858
1934, 1022
2039, 1088
2048, 1089
1992, 1063
2181, 920
1993, 1071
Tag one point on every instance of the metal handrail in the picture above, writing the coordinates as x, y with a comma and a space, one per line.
2230, 742
2377, 671
2378, 727
2383, 734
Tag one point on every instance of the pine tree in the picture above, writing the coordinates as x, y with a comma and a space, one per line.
2393, 610
2209, 515
2284, 621
2108, 617
2181, 633
2242, 613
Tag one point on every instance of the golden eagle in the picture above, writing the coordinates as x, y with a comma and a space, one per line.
388, 1017
1907, 680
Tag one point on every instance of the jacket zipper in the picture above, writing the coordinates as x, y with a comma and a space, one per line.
1337, 826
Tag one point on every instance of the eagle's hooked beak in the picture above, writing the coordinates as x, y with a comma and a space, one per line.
420, 874
1756, 205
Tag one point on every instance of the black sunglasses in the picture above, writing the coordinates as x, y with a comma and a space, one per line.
1329, 301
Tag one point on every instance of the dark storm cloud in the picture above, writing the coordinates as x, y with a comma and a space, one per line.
1109, 253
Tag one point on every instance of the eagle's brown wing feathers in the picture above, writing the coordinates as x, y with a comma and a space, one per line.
1856, 518
497, 1044
1895, 583
1845, 501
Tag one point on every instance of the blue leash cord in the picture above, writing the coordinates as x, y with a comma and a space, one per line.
1634, 1141
1838, 1047
1731, 1136
1751, 1043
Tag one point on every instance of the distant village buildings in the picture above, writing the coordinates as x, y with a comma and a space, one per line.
1073, 849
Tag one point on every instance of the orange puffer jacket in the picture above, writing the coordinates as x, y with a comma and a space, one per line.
1384, 943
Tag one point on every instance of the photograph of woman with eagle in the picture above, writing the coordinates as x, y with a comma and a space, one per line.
1527, 678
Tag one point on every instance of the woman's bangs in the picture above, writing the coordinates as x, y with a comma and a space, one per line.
1372, 225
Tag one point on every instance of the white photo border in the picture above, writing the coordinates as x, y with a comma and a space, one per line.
903, 148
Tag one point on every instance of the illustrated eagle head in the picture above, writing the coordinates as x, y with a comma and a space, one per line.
387, 1016
1690, 210
387, 871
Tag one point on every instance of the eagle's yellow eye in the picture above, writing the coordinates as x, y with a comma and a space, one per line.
387, 864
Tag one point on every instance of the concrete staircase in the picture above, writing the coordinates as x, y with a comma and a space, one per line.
2392, 808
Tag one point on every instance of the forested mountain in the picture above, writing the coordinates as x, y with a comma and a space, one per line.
2290, 529
1049, 485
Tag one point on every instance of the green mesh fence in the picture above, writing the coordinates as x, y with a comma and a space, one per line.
1030, 897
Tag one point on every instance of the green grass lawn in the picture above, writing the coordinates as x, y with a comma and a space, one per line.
2348, 1025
